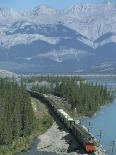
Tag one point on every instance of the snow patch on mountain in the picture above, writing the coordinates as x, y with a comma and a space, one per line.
61, 55
43, 9
8, 41
83, 34
90, 20
105, 40
105, 67
8, 13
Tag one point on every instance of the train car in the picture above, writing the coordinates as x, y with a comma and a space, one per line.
85, 138
70, 123
63, 115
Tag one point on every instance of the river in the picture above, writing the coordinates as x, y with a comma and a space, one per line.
103, 123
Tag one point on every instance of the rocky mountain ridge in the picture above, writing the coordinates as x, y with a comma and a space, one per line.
54, 39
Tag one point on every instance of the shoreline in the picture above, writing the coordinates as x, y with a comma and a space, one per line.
48, 142
53, 142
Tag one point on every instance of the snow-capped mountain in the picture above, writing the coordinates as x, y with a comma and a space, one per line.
44, 39
6, 12
43, 10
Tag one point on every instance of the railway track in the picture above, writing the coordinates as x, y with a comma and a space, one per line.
88, 144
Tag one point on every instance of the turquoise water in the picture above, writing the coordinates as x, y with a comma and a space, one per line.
104, 122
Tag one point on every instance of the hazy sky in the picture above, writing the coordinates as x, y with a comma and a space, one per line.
60, 4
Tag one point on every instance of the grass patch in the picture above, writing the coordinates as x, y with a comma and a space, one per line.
44, 119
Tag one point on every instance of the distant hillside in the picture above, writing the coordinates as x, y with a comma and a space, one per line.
43, 39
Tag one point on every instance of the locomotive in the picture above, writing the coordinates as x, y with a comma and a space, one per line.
85, 139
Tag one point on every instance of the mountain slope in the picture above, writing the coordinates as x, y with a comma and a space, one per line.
43, 39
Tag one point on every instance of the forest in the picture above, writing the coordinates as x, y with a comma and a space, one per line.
18, 122
16, 115
85, 96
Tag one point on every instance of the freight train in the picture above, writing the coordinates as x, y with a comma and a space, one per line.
84, 138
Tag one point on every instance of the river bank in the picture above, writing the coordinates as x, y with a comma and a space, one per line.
102, 124
55, 141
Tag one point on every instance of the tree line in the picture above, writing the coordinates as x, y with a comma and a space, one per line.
86, 97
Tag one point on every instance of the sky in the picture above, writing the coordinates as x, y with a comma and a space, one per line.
59, 4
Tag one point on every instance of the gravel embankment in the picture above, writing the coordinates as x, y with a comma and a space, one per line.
54, 140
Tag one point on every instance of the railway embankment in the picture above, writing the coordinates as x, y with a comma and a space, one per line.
51, 104
60, 103
55, 141
51, 139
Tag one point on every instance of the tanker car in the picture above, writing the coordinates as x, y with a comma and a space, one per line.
85, 139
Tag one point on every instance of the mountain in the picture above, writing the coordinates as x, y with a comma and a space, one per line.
92, 20
78, 39
42, 10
